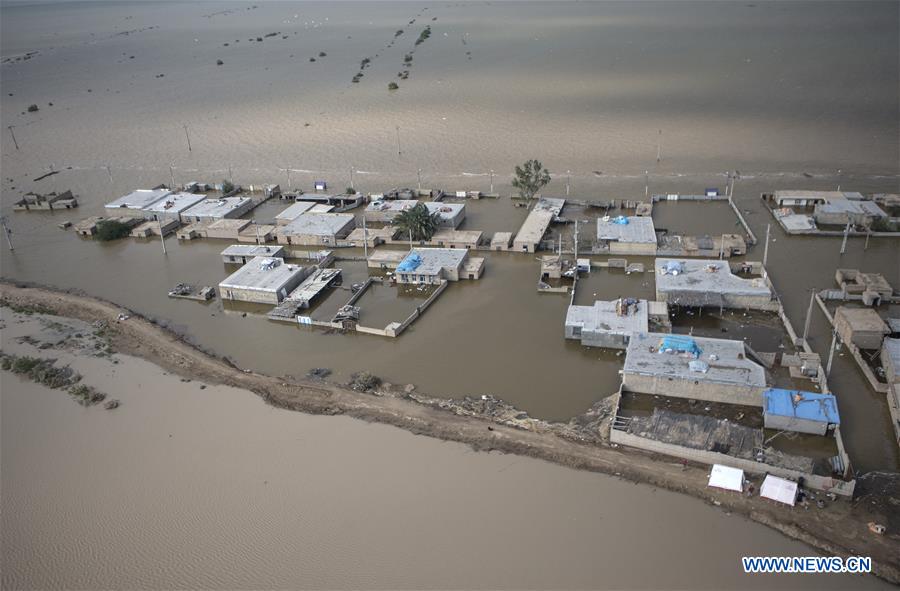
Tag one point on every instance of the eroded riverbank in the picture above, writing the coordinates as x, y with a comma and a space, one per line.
839, 530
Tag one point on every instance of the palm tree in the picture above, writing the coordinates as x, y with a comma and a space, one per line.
418, 221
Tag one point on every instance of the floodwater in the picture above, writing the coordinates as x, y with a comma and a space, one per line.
792, 95
141, 498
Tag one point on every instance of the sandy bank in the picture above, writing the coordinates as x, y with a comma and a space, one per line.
839, 529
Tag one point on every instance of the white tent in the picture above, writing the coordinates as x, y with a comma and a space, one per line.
727, 478
779, 489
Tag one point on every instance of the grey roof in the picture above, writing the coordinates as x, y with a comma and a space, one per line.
391, 205
256, 250
535, 225
797, 222
696, 277
637, 230
264, 274
730, 366
139, 199
318, 224
175, 203
824, 196
849, 206
892, 348
446, 211
894, 324
602, 318
435, 259
295, 210
217, 208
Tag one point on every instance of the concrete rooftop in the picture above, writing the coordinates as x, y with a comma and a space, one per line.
216, 208
175, 203
262, 274
637, 230
318, 224
730, 365
139, 199
696, 277
602, 317
435, 259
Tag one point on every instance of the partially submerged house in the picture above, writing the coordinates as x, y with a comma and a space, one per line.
263, 280
314, 229
135, 204
861, 326
873, 288
536, 224
292, 212
501, 241
433, 265
840, 212
49, 202
243, 253
634, 235
372, 236
709, 282
684, 366
210, 210
800, 412
450, 215
446, 238
890, 361
172, 206
607, 324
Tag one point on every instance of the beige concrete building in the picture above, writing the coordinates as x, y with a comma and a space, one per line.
316, 229
263, 280
433, 265
861, 326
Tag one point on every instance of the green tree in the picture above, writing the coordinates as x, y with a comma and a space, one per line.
419, 221
227, 187
111, 230
530, 178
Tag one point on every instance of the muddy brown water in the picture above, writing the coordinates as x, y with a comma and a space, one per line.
258, 497
793, 95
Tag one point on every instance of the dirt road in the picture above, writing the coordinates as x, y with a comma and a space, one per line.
839, 529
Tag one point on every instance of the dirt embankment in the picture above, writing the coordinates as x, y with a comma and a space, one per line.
838, 529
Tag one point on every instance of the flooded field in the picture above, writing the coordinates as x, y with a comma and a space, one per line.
287, 501
792, 95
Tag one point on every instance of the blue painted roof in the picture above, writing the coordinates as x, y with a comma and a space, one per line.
812, 406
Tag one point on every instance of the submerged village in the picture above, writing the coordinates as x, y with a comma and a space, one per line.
764, 421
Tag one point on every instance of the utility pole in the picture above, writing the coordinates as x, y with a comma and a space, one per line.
410, 239
109, 172
419, 178
766, 249
290, 187
722, 248
568, 181
812, 298
230, 176
351, 179
172, 176
659, 146
162, 238
868, 234
844, 242
646, 183
398, 140
492, 181
188, 136
365, 239
13, 134
831, 352
7, 232
576, 247
256, 227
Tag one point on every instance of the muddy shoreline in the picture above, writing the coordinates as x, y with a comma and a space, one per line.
840, 529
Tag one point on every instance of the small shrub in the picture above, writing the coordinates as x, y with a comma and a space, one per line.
322, 54
111, 230
227, 187
393, 86
364, 381
350, 191
86, 395
32, 108
219, 62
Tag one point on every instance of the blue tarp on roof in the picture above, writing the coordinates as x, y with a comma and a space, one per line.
679, 343
621, 220
410, 263
812, 406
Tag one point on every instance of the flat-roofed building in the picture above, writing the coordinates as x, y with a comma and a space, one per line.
450, 215
173, 205
709, 282
682, 366
456, 238
801, 412
608, 324
135, 203
374, 236
209, 210
861, 326
627, 235
313, 229
386, 259
799, 198
229, 229
434, 265
501, 241
841, 211
293, 211
872, 287
535, 225
263, 280
243, 253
